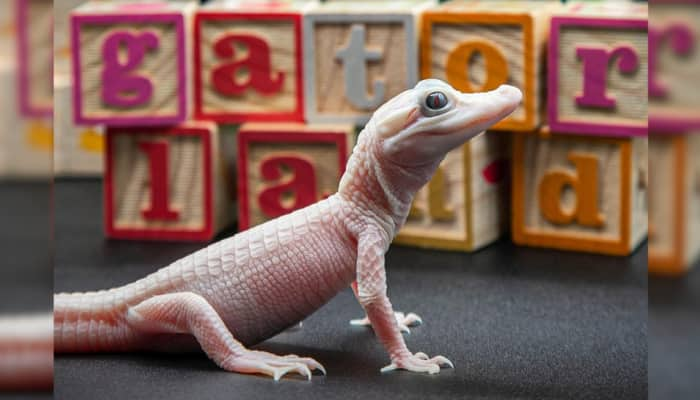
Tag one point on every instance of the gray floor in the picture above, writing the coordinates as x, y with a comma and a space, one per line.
517, 322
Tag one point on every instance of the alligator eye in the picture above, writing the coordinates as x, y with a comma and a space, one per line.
436, 100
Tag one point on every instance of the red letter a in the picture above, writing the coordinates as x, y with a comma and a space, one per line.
256, 66
302, 186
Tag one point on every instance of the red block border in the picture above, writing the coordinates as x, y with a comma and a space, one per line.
340, 139
204, 234
239, 117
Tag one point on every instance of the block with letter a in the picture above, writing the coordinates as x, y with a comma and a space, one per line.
165, 183
130, 63
285, 167
579, 193
248, 63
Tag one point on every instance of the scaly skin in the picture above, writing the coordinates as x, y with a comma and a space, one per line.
245, 289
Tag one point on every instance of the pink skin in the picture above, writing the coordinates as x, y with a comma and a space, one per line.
247, 288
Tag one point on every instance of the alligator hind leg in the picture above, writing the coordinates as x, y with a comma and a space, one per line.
189, 313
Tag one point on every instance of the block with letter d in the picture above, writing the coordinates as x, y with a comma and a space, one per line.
130, 63
248, 63
465, 205
477, 46
579, 193
165, 183
285, 167
598, 70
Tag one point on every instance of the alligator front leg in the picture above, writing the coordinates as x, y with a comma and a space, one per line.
189, 313
404, 321
371, 292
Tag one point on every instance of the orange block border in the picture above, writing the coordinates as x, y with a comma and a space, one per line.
673, 264
450, 244
525, 20
571, 241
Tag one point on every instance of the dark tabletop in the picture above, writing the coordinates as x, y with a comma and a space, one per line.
517, 323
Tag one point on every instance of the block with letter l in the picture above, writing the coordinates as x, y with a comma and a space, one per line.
579, 193
165, 183
285, 167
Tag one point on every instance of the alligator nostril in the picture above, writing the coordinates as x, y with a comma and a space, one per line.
436, 100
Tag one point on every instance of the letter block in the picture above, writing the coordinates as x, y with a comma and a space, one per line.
597, 75
674, 64
25, 142
35, 56
78, 149
129, 63
479, 45
8, 34
581, 193
674, 203
165, 183
248, 64
285, 167
465, 206
356, 59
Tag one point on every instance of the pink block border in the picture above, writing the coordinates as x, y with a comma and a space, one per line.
26, 107
555, 124
178, 20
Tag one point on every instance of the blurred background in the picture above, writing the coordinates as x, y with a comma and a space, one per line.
524, 315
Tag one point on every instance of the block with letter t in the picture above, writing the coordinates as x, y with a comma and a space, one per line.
130, 63
582, 193
357, 56
165, 183
283, 167
464, 207
598, 70
477, 46
248, 63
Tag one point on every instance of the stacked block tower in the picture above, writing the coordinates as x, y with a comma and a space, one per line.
579, 183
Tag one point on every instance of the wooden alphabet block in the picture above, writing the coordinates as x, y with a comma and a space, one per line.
165, 183
248, 64
465, 206
477, 46
674, 66
597, 75
78, 149
285, 167
8, 29
25, 142
61, 35
35, 57
579, 193
130, 63
674, 203
356, 57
